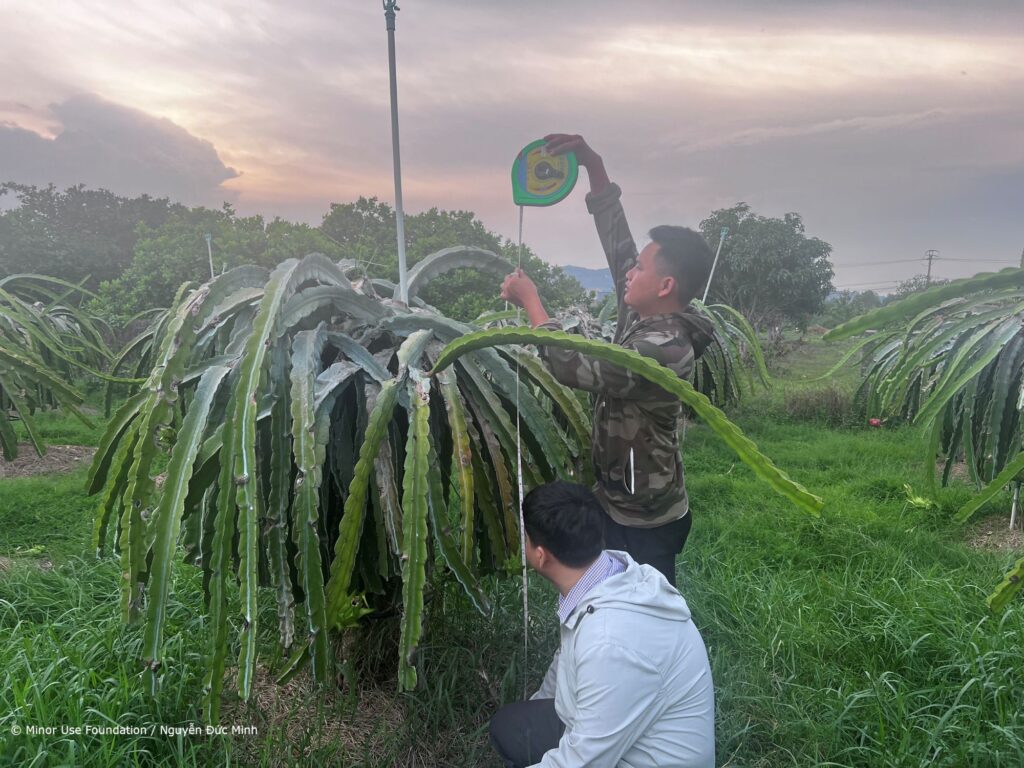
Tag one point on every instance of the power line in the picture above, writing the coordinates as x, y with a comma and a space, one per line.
908, 261
986, 261
861, 285
870, 263
886, 282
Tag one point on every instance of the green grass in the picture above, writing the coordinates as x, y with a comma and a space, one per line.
861, 638
49, 513
60, 428
68, 661
857, 639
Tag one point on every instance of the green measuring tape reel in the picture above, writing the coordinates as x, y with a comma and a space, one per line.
539, 178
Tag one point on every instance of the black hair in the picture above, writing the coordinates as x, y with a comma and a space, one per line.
685, 256
567, 520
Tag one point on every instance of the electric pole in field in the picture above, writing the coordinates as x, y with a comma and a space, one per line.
1022, 258
931, 255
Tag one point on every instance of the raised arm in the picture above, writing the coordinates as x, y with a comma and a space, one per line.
609, 218
603, 203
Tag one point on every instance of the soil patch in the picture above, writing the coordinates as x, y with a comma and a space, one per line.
58, 459
958, 471
994, 535
307, 715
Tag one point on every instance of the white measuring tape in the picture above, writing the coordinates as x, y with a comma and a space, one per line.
538, 179
519, 483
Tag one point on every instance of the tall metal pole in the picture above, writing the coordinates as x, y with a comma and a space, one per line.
721, 239
390, 6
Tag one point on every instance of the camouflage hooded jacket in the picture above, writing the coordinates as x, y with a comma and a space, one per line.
635, 439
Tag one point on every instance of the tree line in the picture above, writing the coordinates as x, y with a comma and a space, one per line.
135, 252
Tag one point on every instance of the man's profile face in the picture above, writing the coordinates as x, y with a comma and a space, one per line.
644, 285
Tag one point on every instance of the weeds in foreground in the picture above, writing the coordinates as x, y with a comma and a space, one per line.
829, 404
860, 639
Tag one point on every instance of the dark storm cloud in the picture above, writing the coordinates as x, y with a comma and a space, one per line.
101, 144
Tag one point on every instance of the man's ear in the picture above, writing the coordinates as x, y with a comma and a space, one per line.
667, 287
543, 557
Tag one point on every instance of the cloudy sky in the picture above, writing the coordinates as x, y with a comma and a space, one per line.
890, 131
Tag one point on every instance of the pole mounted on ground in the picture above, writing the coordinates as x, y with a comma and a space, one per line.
390, 7
931, 254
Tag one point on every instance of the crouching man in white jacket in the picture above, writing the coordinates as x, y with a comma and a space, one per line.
630, 685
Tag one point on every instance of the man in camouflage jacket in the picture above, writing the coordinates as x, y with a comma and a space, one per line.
635, 444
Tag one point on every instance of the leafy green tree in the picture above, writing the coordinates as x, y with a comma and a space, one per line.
76, 234
365, 231
139, 250
176, 252
769, 268
846, 305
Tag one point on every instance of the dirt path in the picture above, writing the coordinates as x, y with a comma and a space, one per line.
58, 458
993, 533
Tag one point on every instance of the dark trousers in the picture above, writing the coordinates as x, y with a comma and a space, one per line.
522, 732
654, 546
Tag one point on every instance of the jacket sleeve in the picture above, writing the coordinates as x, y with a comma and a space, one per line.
547, 686
613, 231
576, 370
615, 703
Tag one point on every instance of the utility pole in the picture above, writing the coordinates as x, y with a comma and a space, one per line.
931, 255
1022, 258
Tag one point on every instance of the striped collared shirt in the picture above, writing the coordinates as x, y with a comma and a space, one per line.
603, 568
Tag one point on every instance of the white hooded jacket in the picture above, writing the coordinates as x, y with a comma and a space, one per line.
631, 679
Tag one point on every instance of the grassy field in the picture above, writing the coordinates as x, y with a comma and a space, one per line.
857, 639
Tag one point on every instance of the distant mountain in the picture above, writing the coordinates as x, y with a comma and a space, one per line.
598, 281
